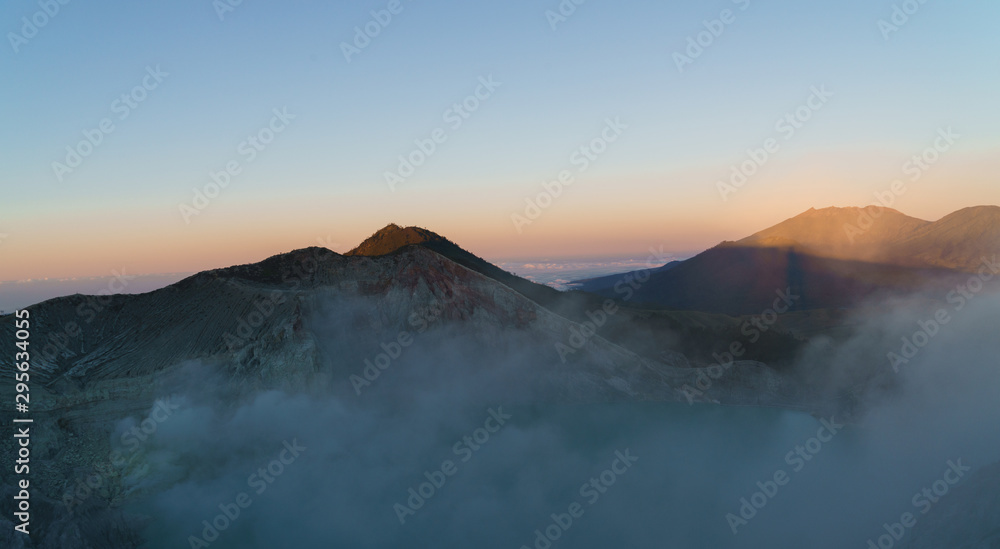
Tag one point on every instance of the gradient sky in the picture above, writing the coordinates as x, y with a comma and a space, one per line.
321, 180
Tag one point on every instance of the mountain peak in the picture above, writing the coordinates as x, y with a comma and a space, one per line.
979, 212
827, 231
393, 237
957, 240
839, 211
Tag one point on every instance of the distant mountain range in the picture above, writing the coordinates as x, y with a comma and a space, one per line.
830, 258
314, 320
956, 241
261, 319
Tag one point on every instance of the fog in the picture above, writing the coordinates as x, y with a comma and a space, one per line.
363, 452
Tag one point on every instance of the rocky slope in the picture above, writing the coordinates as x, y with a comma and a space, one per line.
308, 322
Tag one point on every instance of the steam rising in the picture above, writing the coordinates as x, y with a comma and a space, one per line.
364, 452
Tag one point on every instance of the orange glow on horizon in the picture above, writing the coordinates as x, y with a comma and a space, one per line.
596, 217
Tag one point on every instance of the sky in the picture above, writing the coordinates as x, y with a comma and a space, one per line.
172, 92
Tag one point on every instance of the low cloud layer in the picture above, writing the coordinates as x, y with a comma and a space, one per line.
427, 421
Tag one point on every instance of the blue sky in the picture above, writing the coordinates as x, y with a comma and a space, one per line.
324, 175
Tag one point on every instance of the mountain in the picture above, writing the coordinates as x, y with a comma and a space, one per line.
242, 313
696, 336
834, 233
883, 235
341, 327
956, 241
392, 238
746, 280
830, 258
406, 322
264, 319
608, 282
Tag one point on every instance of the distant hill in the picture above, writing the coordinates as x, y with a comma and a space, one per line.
834, 233
608, 282
830, 258
957, 241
